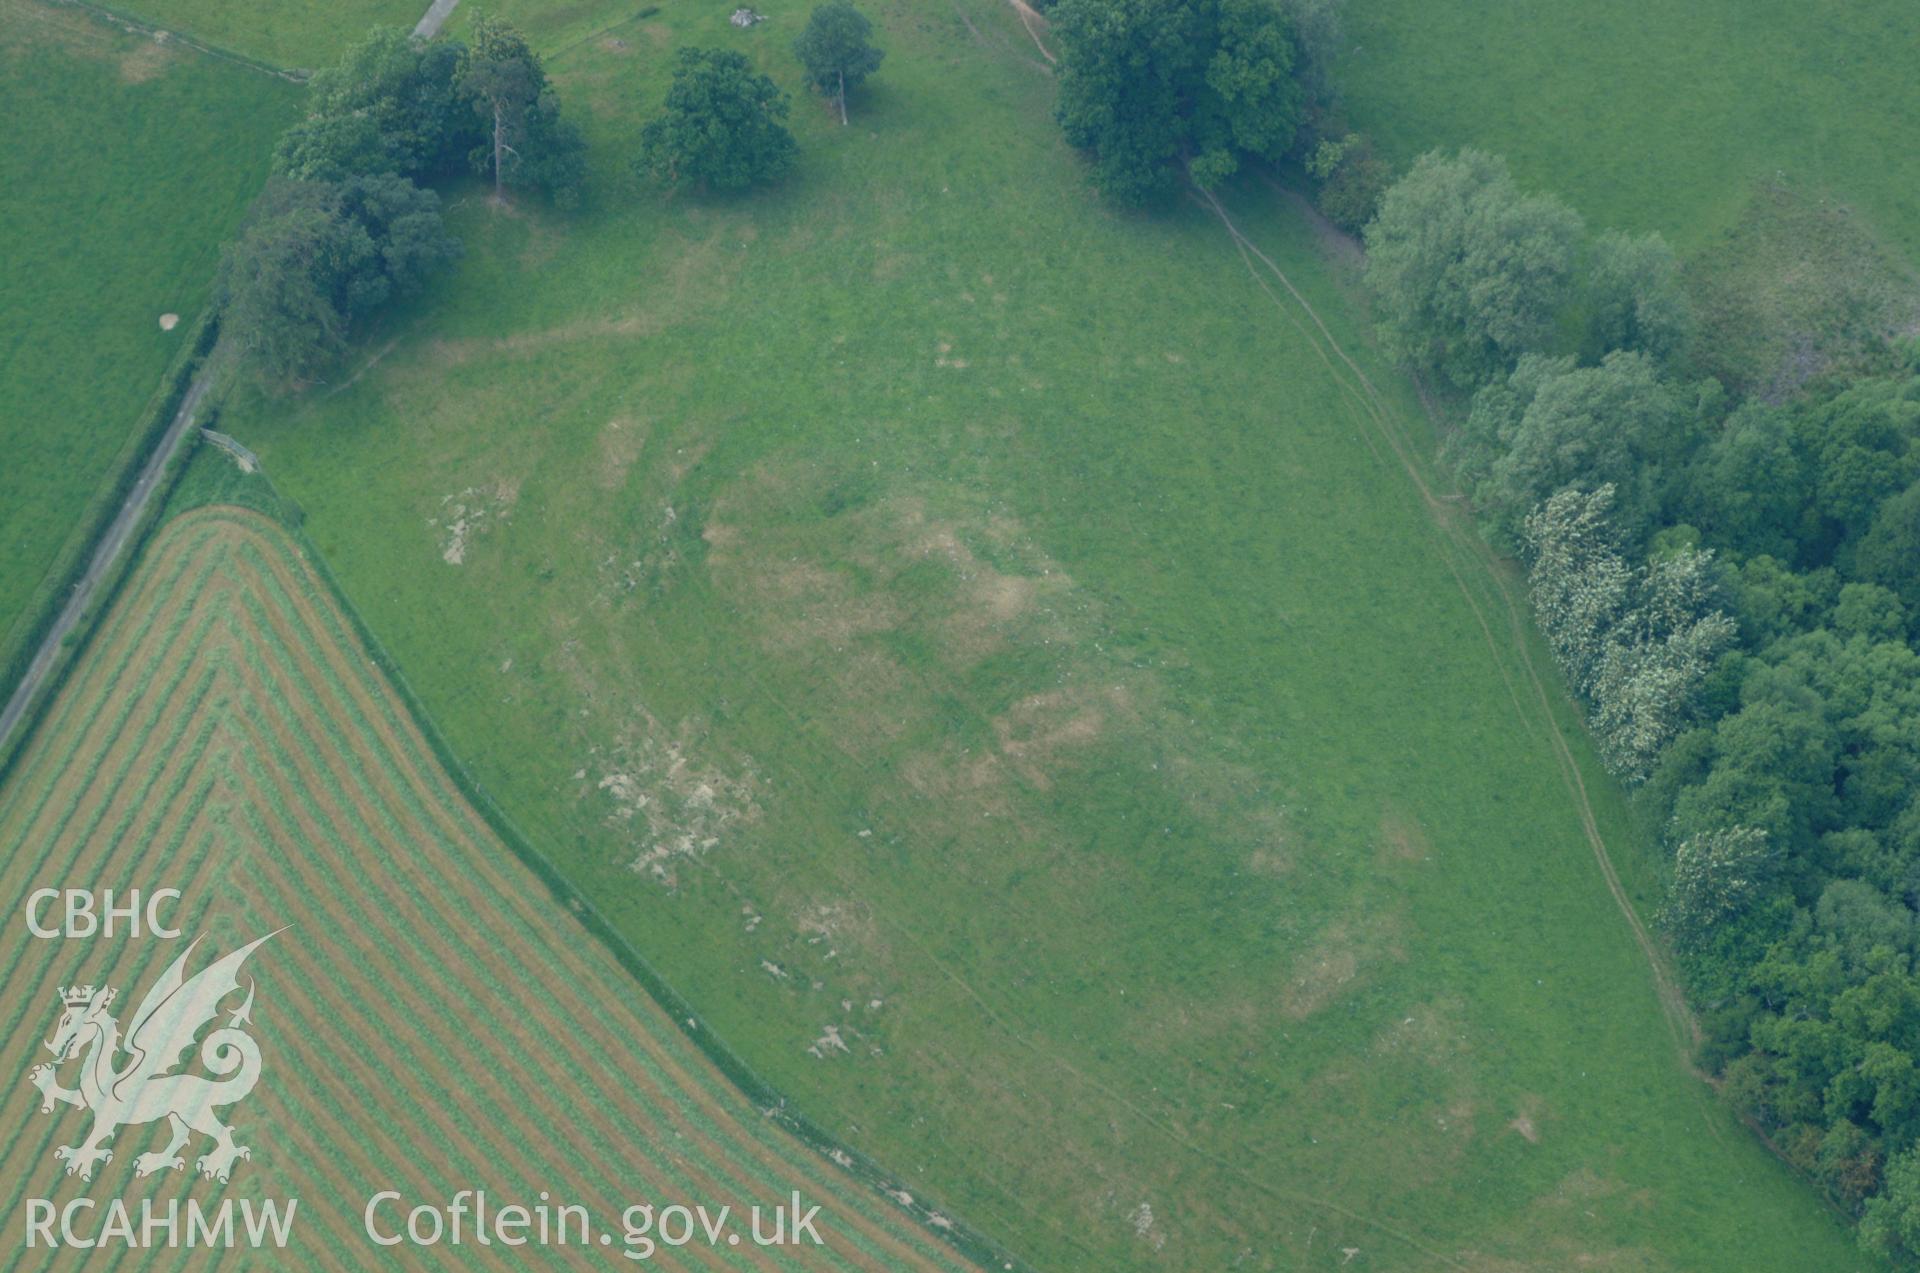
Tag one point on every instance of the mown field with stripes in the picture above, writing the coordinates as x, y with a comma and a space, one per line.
433, 1020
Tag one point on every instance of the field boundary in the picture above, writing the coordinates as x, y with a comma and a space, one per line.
955, 1233
140, 26
79, 555
225, 716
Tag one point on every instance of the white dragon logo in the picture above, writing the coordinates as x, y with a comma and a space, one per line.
174, 1010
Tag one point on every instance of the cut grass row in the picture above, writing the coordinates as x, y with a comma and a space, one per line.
313, 800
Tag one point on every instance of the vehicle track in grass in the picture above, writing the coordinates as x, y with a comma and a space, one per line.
1379, 418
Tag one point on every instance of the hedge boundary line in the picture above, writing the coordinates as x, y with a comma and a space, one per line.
141, 26
77, 553
970, 1243
22, 641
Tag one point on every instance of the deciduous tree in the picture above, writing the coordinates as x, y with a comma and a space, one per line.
1353, 178
721, 125
1889, 553
1148, 84
836, 48
1715, 875
528, 143
1891, 1222
1578, 581
1469, 271
391, 104
1319, 30
1553, 424
276, 298
316, 256
1636, 645
1654, 660
1636, 299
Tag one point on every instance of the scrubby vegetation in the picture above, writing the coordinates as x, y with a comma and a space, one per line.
1350, 179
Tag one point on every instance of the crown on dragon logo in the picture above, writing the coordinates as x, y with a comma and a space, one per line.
77, 996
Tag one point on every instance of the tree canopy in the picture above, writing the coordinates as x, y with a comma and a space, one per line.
1470, 271
526, 141
1636, 298
721, 126
391, 104
1732, 590
836, 48
1352, 177
1766, 687
1889, 552
1637, 644
1147, 85
1553, 423
427, 109
316, 256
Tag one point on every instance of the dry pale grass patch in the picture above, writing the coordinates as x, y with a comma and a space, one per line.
1402, 839
146, 62
1339, 955
1571, 1226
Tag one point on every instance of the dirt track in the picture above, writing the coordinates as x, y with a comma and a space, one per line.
1379, 419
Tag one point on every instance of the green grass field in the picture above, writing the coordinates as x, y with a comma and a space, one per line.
985, 650
131, 162
287, 33
1649, 116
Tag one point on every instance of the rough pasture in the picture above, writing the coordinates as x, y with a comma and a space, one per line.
984, 648
433, 1020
